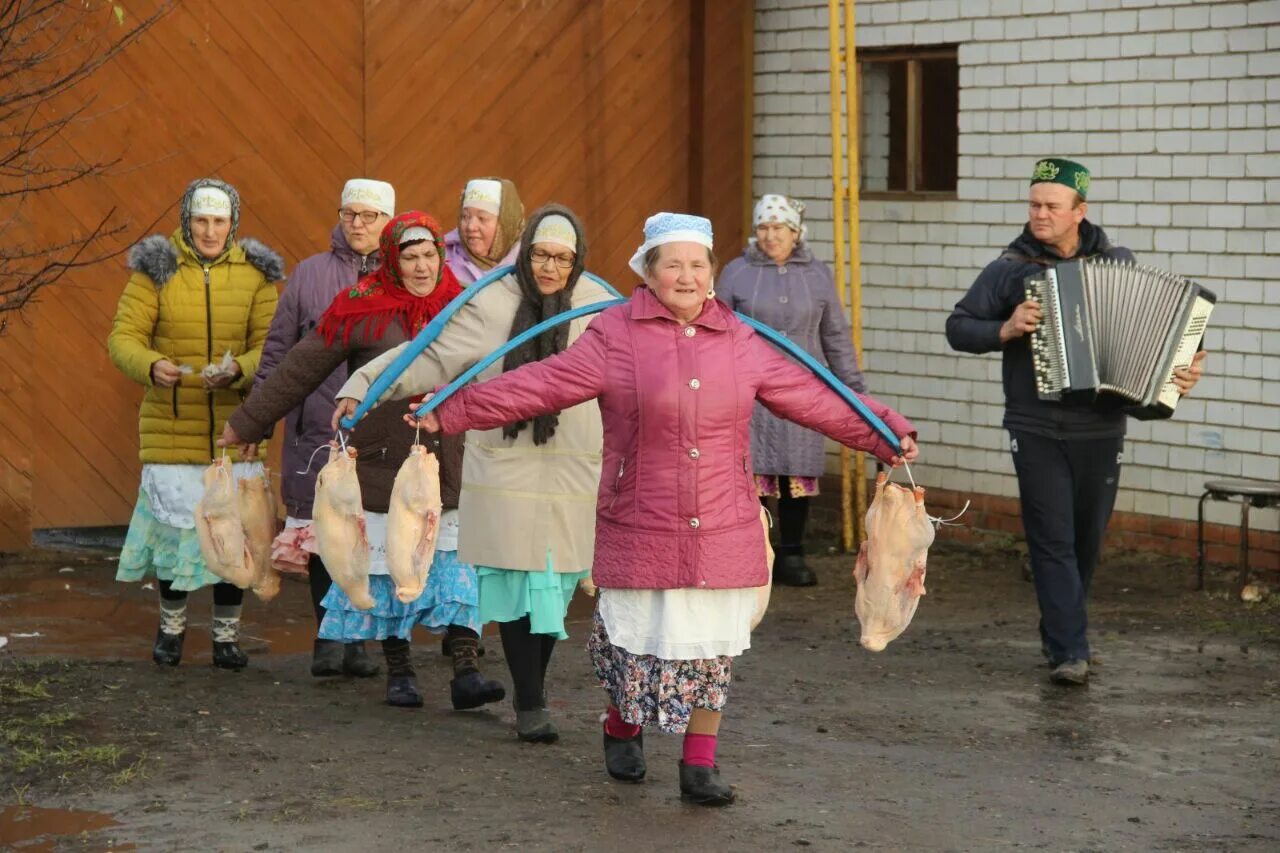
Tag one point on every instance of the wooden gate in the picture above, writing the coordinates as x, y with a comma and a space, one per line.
617, 108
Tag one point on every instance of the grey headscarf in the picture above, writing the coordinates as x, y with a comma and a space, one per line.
186, 209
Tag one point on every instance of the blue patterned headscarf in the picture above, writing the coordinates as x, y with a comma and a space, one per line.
662, 228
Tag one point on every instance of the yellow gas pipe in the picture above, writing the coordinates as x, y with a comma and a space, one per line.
852, 483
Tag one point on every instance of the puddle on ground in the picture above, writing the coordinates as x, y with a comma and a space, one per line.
86, 614
32, 828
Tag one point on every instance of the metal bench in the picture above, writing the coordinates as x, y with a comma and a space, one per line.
1251, 493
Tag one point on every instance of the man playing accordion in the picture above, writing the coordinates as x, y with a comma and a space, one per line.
1066, 452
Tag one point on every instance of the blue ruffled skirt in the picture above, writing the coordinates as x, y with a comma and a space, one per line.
450, 598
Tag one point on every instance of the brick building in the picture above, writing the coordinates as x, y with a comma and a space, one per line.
1175, 107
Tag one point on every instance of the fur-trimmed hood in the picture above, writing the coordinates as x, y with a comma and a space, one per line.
157, 257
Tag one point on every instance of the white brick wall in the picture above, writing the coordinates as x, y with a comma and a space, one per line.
1174, 105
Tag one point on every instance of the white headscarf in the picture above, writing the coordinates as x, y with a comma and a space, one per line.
483, 194
778, 208
555, 228
379, 195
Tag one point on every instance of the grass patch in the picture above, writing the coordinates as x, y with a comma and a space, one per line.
132, 773
16, 690
39, 741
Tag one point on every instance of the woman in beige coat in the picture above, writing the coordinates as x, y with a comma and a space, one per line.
527, 510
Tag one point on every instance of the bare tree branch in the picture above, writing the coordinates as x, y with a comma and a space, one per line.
47, 49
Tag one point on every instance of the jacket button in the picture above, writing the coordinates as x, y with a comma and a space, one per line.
689, 331
695, 384
693, 453
694, 523
782, 299
703, 583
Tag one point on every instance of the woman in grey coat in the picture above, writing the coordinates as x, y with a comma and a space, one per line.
779, 282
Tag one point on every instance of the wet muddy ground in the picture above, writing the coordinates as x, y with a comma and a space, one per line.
951, 739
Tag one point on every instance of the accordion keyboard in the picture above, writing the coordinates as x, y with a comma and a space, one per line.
1048, 351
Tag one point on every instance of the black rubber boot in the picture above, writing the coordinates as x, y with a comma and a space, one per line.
229, 656
167, 650
473, 690
469, 688
356, 661
402, 691
790, 570
703, 786
326, 658
624, 757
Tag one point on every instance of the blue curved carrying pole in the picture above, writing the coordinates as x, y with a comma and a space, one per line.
532, 332
432, 331
420, 341
847, 393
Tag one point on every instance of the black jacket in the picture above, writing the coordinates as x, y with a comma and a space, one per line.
974, 326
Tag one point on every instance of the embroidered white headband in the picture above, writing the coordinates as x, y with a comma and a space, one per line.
210, 201
379, 195
663, 228
556, 229
417, 232
483, 194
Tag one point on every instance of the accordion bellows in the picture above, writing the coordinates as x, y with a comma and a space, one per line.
1112, 327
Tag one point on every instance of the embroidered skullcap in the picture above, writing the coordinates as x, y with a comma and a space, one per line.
379, 195
416, 232
556, 229
778, 208
483, 194
1055, 170
210, 201
663, 228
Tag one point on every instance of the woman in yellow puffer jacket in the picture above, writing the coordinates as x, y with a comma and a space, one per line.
193, 299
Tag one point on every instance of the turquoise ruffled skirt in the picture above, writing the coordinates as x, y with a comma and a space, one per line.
510, 594
169, 553
449, 599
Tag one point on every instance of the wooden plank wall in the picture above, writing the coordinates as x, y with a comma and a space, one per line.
590, 103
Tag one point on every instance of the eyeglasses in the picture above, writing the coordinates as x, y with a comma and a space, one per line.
540, 258
368, 217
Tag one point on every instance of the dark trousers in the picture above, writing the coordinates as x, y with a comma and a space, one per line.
319, 581
227, 594
1067, 490
792, 515
528, 657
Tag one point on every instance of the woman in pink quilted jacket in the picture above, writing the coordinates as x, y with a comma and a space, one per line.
679, 544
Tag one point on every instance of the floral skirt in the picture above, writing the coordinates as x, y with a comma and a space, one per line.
648, 690
799, 487
449, 599
171, 554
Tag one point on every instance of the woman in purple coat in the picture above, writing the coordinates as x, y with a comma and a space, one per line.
365, 208
680, 548
779, 282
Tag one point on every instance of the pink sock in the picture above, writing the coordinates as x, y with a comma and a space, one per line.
699, 750
615, 726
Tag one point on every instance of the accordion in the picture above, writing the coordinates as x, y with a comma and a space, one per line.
1111, 327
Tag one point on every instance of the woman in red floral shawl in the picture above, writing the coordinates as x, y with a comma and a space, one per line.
383, 310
